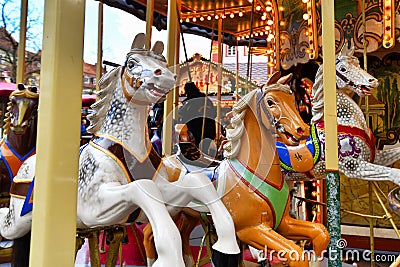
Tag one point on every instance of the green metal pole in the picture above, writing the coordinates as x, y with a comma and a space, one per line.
331, 147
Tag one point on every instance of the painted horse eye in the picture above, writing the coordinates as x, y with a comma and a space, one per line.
342, 69
131, 64
270, 103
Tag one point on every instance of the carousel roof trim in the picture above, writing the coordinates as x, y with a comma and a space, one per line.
204, 29
199, 58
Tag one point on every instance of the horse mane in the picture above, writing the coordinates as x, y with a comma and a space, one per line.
235, 129
22, 92
318, 96
318, 88
107, 84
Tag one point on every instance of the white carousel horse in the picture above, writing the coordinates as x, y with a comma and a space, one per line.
357, 155
120, 173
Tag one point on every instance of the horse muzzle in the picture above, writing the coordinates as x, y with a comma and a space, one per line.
19, 129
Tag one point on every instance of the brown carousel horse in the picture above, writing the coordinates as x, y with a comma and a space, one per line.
250, 181
18, 144
20, 136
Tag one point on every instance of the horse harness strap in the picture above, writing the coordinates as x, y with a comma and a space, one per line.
11, 158
276, 197
20, 188
301, 158
357, 132
342, 77
133, 167
368, 138
261, 105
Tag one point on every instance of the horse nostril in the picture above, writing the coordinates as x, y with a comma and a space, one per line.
175, 77
300, 130
157, 72
371, 80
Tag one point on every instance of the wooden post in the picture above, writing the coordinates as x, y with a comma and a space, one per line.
54, 212
331, 143
99, 65
22, 42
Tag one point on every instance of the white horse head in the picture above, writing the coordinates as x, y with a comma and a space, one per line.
146, 73
349, 74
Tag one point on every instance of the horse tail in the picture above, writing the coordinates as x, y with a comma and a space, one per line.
21, 250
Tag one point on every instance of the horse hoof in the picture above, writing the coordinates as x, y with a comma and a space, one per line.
224, 260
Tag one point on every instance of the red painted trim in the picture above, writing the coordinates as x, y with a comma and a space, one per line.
263, 178
384, 244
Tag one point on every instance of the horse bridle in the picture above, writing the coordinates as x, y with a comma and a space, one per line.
261, 106
344, 78
130, 79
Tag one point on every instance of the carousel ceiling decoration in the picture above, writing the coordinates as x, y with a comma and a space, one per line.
288, 32
388, 23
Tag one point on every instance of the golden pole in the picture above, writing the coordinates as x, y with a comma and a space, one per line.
22, 42
173, 39
330, 119
149, 23
99, 65
54, 214
220, 79
175, 114
376, 190
237, 72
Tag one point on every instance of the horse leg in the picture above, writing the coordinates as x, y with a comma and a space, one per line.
359, 169
149, 247
387, 157
200, 188
301, 230
117, 201
189, 220
264, 238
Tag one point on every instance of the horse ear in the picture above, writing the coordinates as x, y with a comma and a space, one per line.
21, 86
139, 41
273, 79
158, 47
285, 79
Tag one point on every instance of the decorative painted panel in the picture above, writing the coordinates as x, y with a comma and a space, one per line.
348, 28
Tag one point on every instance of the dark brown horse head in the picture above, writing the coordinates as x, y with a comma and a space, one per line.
280, 100
22, 111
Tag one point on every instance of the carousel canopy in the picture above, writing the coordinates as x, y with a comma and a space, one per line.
6, 88
289, 32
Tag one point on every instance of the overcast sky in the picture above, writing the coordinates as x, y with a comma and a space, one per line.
119, 30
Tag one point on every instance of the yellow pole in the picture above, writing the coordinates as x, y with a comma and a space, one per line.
99, 65
149, 22
175, 114
237, 72
330, 119
220, 79
54, 213
173, 38
22, 42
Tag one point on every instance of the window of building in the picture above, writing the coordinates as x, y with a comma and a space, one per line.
86, 80
231, 51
